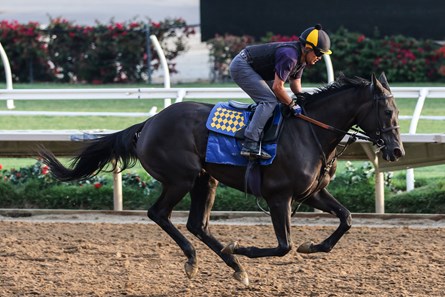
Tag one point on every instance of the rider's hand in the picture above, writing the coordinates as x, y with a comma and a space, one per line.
294, 108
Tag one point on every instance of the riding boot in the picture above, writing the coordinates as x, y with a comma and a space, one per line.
252, 149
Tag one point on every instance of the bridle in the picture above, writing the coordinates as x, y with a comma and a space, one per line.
378, 140
358, 133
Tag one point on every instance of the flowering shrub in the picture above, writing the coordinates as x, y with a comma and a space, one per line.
222, 50
42, 174
35, 187
133, 179
22, 175
114, 52
25, 48
365, 173
403, 59
441, 61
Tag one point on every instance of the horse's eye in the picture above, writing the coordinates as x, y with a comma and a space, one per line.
388, 112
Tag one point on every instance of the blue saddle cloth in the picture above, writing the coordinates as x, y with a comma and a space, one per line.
223, 147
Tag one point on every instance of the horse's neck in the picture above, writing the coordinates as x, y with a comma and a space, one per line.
338, 111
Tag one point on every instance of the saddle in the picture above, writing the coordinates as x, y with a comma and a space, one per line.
226, 124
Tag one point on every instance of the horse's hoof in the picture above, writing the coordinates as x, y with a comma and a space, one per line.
242, 277
230, 248
190, 269
306, 248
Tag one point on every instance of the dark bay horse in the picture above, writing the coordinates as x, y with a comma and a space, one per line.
171, 146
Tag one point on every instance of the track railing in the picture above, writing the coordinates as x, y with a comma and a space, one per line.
180, 94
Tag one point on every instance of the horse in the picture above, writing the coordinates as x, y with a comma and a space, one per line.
171, 147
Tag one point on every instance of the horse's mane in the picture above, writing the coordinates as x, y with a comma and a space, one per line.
341, 83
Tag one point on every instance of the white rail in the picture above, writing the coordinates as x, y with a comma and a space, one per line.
8, 74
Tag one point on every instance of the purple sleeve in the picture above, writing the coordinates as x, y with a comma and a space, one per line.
297, 74
285, 61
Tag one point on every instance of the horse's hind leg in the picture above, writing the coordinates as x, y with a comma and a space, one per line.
202, 199
160, 213
324, 201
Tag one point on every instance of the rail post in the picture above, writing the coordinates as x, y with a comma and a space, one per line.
163, 60
117, 188
412, 130
379, 178
329, 68
8, 75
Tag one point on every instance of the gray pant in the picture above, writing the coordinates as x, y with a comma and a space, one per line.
259, 90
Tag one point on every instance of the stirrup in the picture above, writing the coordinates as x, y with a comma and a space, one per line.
254, 153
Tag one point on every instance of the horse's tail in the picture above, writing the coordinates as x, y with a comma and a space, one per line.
118, 146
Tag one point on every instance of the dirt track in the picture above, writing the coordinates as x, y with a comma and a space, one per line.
46, 258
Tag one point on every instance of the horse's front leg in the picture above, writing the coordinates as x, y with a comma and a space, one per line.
324, 201
280, 212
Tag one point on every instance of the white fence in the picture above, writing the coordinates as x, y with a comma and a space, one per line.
421, 93
210, 93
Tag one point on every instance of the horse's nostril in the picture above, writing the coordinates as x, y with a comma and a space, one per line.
398, 153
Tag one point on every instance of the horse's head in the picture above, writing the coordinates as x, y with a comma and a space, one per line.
379, 119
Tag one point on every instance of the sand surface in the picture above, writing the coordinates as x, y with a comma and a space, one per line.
105, 255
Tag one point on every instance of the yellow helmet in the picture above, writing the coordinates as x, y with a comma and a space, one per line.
317, 39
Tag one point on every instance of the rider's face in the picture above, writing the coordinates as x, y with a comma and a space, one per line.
311, 58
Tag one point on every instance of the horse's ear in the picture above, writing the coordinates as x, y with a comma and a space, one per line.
376, 85
384, 81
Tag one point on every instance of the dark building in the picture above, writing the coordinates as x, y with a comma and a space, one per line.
419, 19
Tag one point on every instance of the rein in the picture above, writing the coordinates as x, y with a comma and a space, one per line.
339, 131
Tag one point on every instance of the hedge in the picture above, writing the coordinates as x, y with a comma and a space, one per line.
116, 52
65, 52
33, 187
402, 58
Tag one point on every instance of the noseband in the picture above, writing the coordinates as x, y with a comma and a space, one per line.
377, 140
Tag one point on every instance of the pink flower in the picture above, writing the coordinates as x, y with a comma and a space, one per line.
1, 166
45, 170
377, 61
134, 25
361, 38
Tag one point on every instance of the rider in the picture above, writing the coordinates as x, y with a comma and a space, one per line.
262, 70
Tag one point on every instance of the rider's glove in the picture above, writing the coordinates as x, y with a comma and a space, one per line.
294, 108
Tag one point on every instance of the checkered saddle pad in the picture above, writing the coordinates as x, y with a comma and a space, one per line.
226, 124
